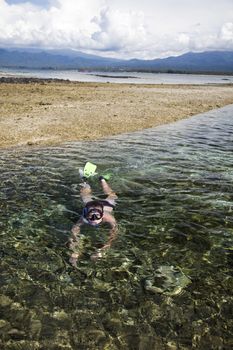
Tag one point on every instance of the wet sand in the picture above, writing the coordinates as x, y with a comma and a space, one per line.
50, 112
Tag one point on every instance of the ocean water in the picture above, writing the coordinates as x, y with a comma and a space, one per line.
121, 77
167, 281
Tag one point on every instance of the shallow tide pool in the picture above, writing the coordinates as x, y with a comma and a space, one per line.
167, 281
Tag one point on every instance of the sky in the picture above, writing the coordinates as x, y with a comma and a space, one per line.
126, 29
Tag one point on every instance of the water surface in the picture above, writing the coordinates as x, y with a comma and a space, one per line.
167, 281
121, 77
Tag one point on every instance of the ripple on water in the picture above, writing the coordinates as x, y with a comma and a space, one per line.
166, 282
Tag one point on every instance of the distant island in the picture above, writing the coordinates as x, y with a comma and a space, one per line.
114, 76
208, 62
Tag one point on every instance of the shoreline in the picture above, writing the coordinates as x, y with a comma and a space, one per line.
46, 112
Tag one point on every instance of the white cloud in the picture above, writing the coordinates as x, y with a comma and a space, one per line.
117, 29
227, 32
120, 28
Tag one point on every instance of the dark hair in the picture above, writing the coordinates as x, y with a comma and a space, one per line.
94, 204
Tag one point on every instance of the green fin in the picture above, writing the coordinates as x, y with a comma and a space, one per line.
107, 176
89, 169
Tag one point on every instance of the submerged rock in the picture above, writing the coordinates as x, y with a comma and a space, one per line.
167, 280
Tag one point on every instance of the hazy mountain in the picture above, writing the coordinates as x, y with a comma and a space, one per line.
205, 62
212, 61
51, 59
64, 52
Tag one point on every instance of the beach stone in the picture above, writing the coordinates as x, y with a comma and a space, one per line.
167, 280
3, 323
16, 334
35, 329
21, 344
5, 300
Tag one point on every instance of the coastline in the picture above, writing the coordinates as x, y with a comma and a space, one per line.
44, 112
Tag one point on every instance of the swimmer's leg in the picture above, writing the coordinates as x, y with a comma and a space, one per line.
108, 191
86, 193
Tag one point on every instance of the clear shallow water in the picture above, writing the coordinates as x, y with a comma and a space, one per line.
167, 281
122, 77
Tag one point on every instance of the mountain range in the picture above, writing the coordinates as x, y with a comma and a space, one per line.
203, 62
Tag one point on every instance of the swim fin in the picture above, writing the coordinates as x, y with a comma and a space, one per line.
89, 169
107, 176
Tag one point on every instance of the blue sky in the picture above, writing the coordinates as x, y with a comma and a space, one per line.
119, 28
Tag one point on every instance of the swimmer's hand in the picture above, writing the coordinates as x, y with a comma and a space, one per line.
73, 259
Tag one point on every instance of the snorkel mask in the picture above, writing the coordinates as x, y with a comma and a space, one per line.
93, 213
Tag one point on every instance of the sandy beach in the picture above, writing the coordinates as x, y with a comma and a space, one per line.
40, 112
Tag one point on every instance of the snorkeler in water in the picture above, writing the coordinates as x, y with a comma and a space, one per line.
95, 212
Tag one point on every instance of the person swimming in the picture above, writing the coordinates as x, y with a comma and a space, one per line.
95, 212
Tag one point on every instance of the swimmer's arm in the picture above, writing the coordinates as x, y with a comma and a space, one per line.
113, 231
76, 228
75, 231
73, 242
